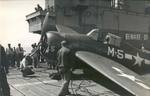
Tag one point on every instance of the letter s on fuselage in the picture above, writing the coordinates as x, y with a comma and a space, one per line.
114, 52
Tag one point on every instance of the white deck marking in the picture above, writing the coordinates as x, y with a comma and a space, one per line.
34, 83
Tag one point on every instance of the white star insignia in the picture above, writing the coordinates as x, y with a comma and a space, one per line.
138, 60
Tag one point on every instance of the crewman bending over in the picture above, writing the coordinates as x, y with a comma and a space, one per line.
26, 66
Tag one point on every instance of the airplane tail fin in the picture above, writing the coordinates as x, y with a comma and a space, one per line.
64, 29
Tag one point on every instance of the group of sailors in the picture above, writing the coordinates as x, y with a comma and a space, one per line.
63, 63
30, 61
9, 57
14, 56
38, 8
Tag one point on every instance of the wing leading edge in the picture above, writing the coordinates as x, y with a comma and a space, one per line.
116, 72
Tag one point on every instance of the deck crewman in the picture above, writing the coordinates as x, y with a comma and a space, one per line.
4, 87
19, 54
10, 54
64, 68
26, 66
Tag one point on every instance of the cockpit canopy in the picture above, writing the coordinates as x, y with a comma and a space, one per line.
112, 39
94, 34
107, 38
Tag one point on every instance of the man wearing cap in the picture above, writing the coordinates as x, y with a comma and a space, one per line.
9, 54
19, 54
64, 67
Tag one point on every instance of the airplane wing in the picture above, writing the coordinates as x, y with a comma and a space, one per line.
64, 29
116, 72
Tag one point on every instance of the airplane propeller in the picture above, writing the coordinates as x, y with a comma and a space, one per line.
43, 39
45, 26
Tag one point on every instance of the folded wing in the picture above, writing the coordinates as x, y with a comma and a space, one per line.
116, 72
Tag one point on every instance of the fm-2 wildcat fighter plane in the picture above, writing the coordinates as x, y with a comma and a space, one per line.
111, 57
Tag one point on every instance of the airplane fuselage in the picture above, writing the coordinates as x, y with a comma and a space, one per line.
127, 55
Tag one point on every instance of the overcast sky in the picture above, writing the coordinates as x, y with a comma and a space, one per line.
14, 28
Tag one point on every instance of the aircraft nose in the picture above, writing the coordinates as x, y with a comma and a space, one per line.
53, 38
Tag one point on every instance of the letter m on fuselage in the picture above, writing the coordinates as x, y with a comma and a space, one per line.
111, 51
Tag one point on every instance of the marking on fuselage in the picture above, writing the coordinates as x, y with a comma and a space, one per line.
131, 77
138, 59
120, 54
114, 52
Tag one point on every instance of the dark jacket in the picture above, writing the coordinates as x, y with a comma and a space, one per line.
4, 87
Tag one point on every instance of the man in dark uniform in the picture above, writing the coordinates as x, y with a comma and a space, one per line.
68, 62
64, 67
4, 87
10, 54
35, 56
19, 54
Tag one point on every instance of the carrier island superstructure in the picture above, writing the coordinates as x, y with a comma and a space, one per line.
129, 19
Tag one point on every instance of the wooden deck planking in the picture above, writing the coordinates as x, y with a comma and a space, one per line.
32, 89
27, 90
51, 90
41, 85
15, 92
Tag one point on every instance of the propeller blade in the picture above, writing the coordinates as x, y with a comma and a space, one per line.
43, 31
45, 24
37, 48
